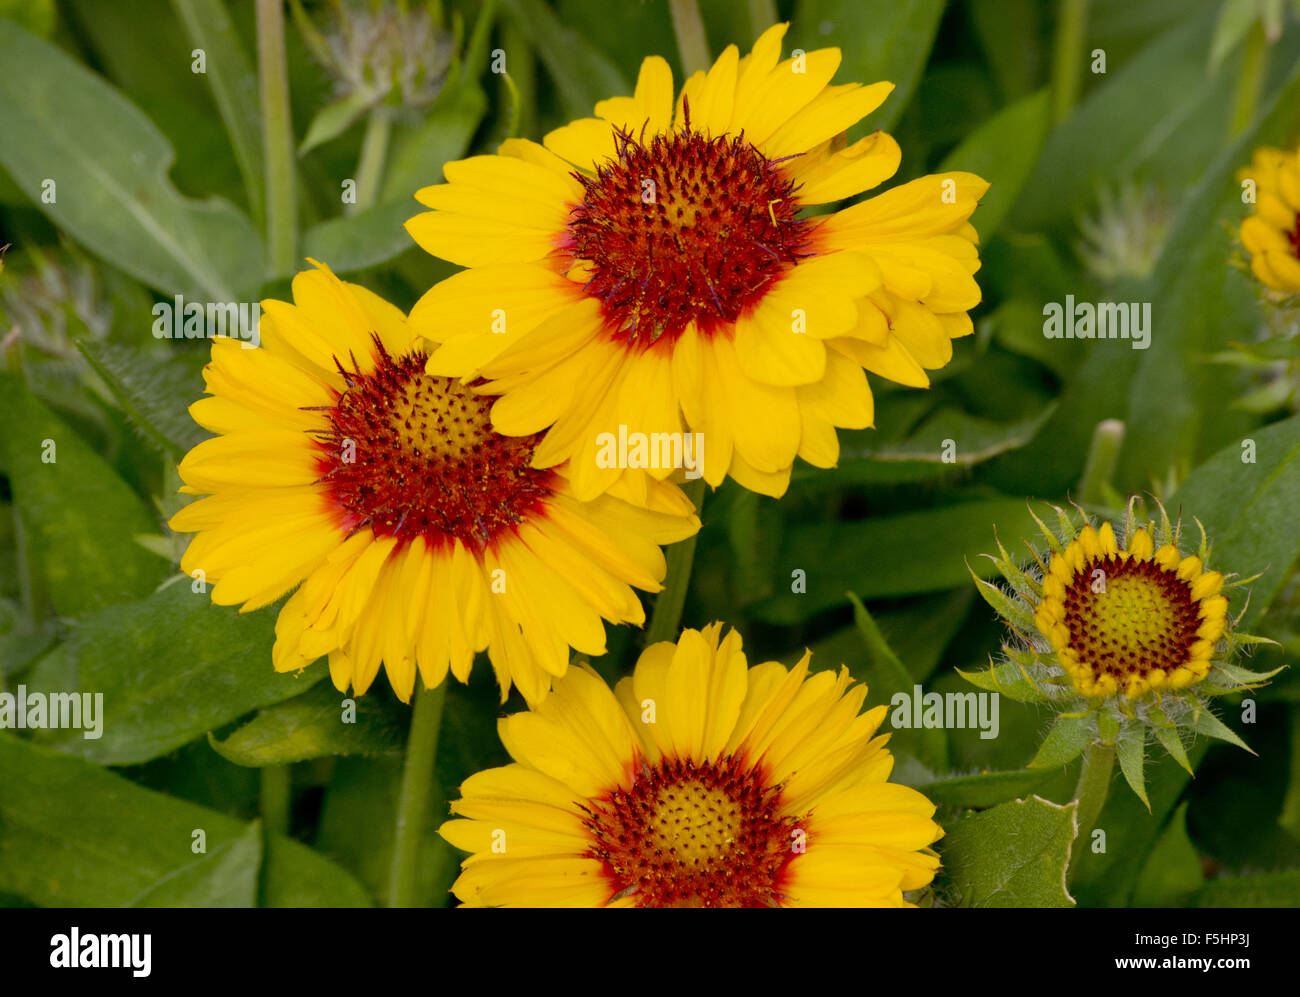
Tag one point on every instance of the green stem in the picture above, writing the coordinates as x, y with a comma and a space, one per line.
689, 29
413, 801
1067, 58
277, 137
209, 27
667, 614
374, 150
274, 791
1099, 469
1091, 792
1250, 83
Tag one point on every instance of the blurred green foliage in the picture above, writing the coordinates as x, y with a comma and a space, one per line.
1130, 197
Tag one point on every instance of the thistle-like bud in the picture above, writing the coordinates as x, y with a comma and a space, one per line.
1127, 639
1123, 236
389, 53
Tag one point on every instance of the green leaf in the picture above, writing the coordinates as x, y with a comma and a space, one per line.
1172, 742
889, 674
37, 16
177, 100
881, 40
1236, 18
1172, 872
887, 677
1179, 407
1211, 726
75, 835
79, 515
920, 630
1271, 889
1006, 679
234, 87
418, 156
1248, 510
1013, 855
313, 725
154, 394
987, 789
376, 235
171, 668
923, 454
370, 786
1014, 36
1162, 134
61, 122
354, 242
582, 74
926, 551
1064, 742
224, 877
1003, 151
333, 120
1131, 752
630, 32
1015, 611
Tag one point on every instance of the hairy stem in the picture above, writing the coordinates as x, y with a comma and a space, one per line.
277, 138
413, 798
667, 614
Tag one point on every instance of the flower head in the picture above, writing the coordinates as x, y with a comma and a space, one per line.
1123, 636
1271, 233
1130, 619
697, 782
653, 269
416, 535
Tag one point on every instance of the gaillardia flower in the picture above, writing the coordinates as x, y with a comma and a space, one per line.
652, 270
419, 535
1122, 637
1271, 233
697, 782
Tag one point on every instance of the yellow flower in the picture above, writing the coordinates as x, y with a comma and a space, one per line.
418, 534
697, 782
1271, 233
652, 270
1130, 619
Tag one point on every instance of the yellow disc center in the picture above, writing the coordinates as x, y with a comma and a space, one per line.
1126, 617
1133, 614
697, 823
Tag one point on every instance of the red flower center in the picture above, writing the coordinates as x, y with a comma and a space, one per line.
1126, 617
684, 229
409, 454
695, 835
